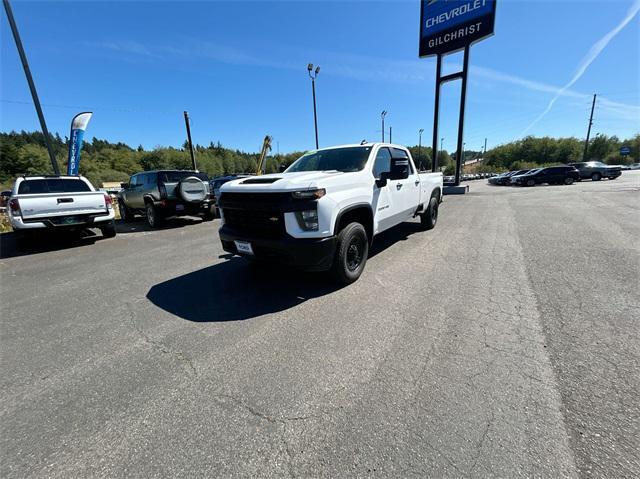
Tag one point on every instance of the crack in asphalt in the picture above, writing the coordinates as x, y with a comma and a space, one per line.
280, 421
160, 346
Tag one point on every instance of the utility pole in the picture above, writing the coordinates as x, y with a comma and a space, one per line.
390, 134
32, 86
485, 148
382, 115
193, 156
586, 143
420, 146
313, 75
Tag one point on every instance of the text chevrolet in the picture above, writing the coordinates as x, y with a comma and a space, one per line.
324, 210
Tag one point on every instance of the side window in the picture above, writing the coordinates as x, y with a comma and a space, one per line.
134, 180
150, 178
382, 163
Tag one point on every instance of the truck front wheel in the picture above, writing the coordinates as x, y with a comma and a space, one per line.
352, 251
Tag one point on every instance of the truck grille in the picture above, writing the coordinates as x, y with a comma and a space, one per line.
255, 223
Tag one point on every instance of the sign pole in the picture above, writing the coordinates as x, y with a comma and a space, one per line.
463, 99
436, 113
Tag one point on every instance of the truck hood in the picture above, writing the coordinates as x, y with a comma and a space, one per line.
285, 181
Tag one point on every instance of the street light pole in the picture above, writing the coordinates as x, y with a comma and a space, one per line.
382, 115
32, 86
313, 75
420, 146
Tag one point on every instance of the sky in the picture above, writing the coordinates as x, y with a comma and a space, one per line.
240, 69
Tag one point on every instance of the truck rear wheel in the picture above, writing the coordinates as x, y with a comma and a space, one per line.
352, 252
429, 218
109, 230
154, 217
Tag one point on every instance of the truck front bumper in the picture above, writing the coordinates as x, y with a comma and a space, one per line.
310, 254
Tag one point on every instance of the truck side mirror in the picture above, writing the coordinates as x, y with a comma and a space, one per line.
124, 185
384, 177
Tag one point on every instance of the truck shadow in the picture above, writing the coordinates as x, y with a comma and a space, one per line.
139, 224
46, 242
237, 290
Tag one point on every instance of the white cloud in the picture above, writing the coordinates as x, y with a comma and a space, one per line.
589, 58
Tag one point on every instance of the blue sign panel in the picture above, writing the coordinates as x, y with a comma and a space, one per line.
625, 150
449, 25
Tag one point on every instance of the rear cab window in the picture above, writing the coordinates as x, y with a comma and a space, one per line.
52, 185
399, 153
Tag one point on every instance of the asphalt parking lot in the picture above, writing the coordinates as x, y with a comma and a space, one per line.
505, 342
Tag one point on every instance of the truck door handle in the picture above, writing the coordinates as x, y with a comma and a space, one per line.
398, 186
65, 200
417, 182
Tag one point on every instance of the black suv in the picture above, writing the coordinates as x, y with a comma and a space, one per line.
597, 170
165, 193
554, 175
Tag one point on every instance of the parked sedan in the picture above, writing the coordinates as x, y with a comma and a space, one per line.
505, 179
501, 178
553, 175
597, 170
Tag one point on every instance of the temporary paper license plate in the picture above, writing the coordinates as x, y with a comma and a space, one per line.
244, 247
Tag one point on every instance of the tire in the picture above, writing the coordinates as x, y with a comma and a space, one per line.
210, 215
109, 230
568, 181
429, 218
352, 251
191, 189
596, 177
154, 219
529, 182
125, 213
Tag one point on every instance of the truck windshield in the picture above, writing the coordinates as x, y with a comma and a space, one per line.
175, 176
338, 159
52, 185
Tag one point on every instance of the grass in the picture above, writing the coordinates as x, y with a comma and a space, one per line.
5, 227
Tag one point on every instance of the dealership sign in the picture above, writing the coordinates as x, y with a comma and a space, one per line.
450, 25
625, 150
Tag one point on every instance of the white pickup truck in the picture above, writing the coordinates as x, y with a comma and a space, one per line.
40, 203
324, 210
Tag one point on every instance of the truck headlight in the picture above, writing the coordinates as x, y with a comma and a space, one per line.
314, 194
308, 219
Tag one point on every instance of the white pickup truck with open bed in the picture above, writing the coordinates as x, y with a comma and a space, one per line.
59, 202
324, 210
